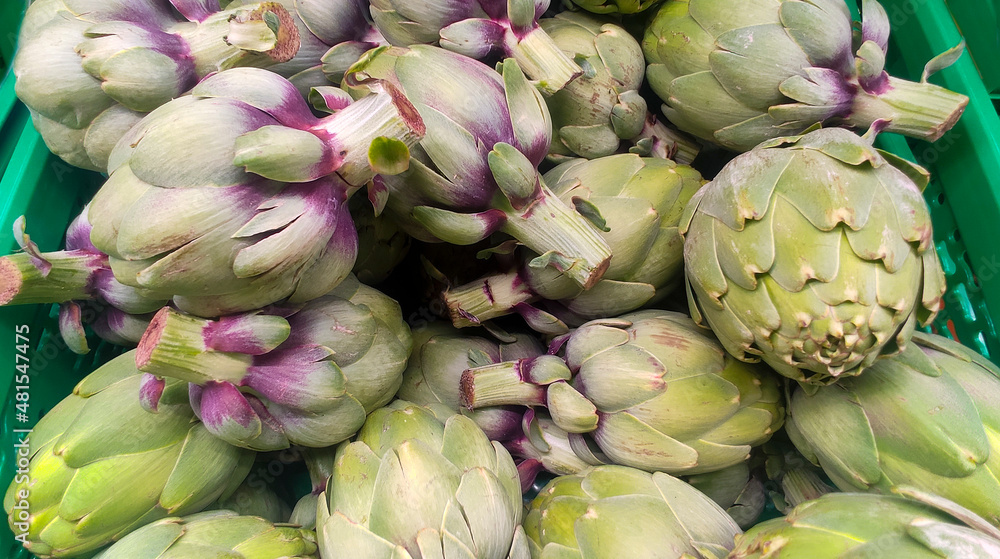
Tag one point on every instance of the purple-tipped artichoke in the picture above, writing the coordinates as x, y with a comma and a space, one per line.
235, 197
640, 202
305, 376
475, 171
80, 280
434, 373
650, 390
89, 69
739, 72
480, 29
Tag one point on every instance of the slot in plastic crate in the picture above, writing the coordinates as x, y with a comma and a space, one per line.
964, 197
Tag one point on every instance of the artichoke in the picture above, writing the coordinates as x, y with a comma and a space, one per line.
640, 202
615, 6
382, 245
263, 381
603, 512
814, 253
843, 525
76, 277
211, 535
654, 391
927, 418
235, 197
474, 173
419, 484
101, 466
735, 490
440, 356
480, 29
319, 462
255, 498
89, 69
593, 114
739, 72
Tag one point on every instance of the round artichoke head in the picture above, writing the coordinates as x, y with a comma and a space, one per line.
601, 512
814, 253
421, 483
89, 71
235, 197
474, 173
739, 72
208, 535
926, 418
101, 466
306, 375
434, 372
860, 525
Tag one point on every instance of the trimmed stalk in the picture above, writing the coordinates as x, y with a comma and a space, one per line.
917, 109
547, 226
257, 37
543, 61
487, 298
71, 277
512, 383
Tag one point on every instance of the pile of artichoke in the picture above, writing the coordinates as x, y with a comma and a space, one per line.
416, 279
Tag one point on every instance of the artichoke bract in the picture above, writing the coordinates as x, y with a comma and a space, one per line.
594, 113
616, 6
235, 197
739, 72
474, 172
421, 483
255, 498
88, 70
814, 253
652, 389
74, 278
480, 29
434, 373
734, 489
640, 202
306, 375
319, 462
926, 418
863, 525
609, 511
210, 535
101, 466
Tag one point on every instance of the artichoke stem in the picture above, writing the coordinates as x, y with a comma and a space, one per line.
550, 228
801, 485
500, 384
174, 346
387, 113
235, 37
667, 143
70, 278
915, 109
542, 60
487, 298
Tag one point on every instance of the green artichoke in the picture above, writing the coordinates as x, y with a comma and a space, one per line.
320, 463
613, 511
640, 202
99, 466
420, 484
739, 72
615, 6
89, 69
652, 389
594, 113
842, 525
235, 197
305, 375
926, 418
474, 173
254, 497
434, 373
814, 253
734, 489
214, 535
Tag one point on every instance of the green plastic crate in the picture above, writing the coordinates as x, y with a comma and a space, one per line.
964, 197
11, 12
979, 23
